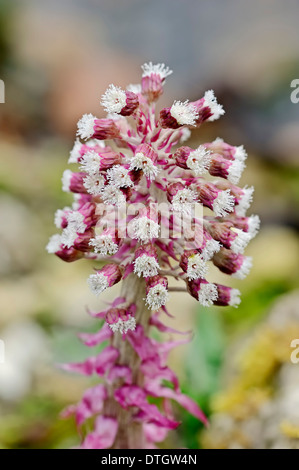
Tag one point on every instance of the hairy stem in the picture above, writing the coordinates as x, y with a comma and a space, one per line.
130, 434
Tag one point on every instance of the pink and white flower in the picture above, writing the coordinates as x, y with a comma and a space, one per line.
133, 200
116, 100
106, 277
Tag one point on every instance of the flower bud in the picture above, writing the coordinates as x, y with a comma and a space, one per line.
73, 182
232, 263
153, 79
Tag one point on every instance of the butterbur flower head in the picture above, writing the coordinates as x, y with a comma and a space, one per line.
90, 162
232, 263
147, 207
145, 159
111, 194
119, 177
60, 218
245, 200
198, 160
209, 248
228, 169
153, 78
207, 108
227, 296
203, 291
90, 127
156, 292
193, 264
93, 161
228, 151
55, 246
146, 225
107, 243
86, 126
75, 153
181, 198
94, 184
116, 100
252, 225
106, 277
179, 114
220, 202
75, 225
146, 261
120, 319
229, 236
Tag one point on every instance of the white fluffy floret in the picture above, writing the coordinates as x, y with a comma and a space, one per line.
235, 171
145, 229
90, 162
54, 244
86, 126
104, 245
94, 183
240, 153
112, 195
223, 203
183, 201
61, 214
184, 113
234, 298
66, 180
123, 326
146, 266
75, 225
211, 247
207, 294
253, 225
119, 177
75, 152
114, 99
142, 162
97, 283
197, 267
244, 269
199, 160
245, 201
157, 297
158, 69
241, 240
134, 88
216, 109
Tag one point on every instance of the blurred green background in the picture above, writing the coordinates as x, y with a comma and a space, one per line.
56, 59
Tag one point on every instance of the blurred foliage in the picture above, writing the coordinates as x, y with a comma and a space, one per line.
258, 407
6, 11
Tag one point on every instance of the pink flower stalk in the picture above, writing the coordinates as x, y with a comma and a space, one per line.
134, 215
